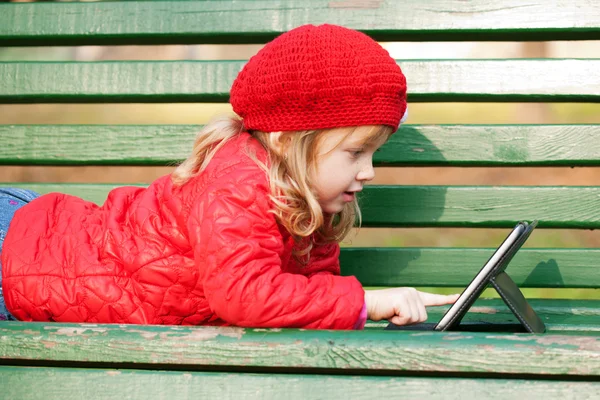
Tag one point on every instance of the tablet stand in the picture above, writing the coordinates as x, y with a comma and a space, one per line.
514, 299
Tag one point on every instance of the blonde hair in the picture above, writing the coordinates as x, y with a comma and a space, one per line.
295, 205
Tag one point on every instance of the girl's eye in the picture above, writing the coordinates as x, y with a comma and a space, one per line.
356, 153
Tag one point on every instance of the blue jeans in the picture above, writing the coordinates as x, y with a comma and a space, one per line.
10, 201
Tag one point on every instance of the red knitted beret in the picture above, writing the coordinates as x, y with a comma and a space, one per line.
317, 77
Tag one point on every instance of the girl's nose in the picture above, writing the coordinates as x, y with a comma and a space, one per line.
367, 172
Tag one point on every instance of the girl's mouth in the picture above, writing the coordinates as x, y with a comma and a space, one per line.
348, 196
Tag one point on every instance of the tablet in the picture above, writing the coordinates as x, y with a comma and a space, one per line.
497, 262
492, 273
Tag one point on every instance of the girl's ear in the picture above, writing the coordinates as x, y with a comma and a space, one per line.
279, 142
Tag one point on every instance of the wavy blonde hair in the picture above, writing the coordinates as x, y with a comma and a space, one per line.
292, 160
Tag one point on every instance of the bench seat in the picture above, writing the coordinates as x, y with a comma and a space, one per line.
103, 361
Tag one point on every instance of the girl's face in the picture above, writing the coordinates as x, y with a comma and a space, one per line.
343, 164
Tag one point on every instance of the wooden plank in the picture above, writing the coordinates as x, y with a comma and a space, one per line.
438, 206
524, 80
561, 316
492, 145
93, 192
77, 383
481, 206
174, 81
96, 144
376, 351
453, 145
455, 267
164, 22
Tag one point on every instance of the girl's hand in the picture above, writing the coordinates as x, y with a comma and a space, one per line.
404, 305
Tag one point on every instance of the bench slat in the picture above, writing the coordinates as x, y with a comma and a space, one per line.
162, 22
209, 81
437, 206
561, 316
373, 350
481, 206
455, 145
455, 267
78, 383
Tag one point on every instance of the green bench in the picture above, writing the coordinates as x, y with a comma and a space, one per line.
73, 361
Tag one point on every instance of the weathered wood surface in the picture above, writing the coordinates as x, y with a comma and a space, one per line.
452, 145
561, 316
210, 81
76, 383
456, 267
438, 206
365, 352
259, 21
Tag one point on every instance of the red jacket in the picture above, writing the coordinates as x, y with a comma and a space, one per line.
208, 252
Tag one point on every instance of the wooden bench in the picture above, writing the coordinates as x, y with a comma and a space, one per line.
73, 361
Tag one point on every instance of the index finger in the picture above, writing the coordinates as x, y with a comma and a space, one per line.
432, 299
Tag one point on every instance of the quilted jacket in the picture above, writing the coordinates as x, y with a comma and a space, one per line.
207, 252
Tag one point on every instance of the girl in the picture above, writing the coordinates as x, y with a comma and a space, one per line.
245, 231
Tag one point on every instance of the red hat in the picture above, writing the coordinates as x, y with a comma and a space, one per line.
317, 77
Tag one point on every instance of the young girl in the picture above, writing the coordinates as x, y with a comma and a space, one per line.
245, 231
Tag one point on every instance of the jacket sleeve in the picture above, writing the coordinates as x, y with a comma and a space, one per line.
237, 246
324, 259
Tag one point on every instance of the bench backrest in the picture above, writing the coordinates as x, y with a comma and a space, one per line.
454, 80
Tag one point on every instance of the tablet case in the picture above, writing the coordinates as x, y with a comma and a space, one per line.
510, 293
514, 299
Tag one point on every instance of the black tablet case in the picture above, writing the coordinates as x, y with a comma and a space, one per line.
529, 321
